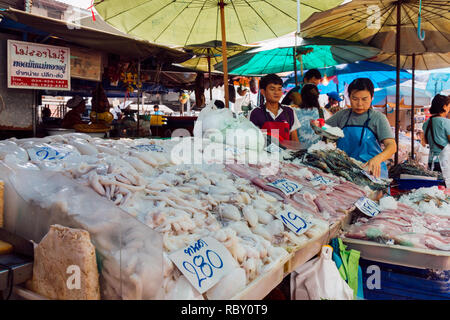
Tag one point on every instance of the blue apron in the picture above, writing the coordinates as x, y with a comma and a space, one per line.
361, 143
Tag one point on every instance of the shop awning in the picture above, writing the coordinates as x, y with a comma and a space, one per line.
96, 39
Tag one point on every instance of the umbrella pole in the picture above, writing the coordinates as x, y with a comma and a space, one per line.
397, 91
209, 77
412, 103
224, 52
295, 67
138, 95
301, 65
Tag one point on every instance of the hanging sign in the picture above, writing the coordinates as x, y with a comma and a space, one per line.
38, 66
85, 64
203, 263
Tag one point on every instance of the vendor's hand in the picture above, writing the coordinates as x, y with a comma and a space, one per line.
374, 166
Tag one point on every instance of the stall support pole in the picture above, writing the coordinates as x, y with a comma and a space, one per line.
34, 112
295, 67
209, 76
412, 103
301, 65
397, 93
138, 96
224, 52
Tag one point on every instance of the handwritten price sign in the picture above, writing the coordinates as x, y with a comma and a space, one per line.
148, 147
288, 187
371, 177
367, 206
273, 148
294, 221
203, 263
317, 180
47, 153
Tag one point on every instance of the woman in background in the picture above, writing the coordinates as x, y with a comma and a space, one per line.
437, 130
309, 109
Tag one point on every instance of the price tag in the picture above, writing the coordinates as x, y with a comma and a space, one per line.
48, 153
371, 177
288, 187
235, 151
273, 148
321, 180
203, 263
294, 221
148, 147
367, 206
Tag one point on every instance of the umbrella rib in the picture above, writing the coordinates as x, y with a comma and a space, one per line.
435, 13
240, 24
430, 22
217, 22
121, 12
146, 18
355, 53
344, 15
168, 25
267, 63
257, 13
294, 18
379, 30
337, 27
196, 18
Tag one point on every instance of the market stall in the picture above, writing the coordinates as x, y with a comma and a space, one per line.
255, 212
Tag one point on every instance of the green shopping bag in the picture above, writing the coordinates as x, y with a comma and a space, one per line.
347, 262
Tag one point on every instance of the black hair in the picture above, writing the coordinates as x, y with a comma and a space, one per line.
310, 96
312, 73
360, 84
155, 106
270, 79
219, 104
438, 103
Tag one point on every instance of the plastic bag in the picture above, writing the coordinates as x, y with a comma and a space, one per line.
319, 279
444, 160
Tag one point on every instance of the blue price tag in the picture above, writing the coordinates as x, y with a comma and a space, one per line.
288, 187
321, 180
47, 153
148, 147
294, 221
367, 206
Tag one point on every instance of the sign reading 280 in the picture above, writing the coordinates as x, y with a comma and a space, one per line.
203, 263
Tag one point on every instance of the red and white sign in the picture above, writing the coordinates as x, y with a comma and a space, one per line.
38, 66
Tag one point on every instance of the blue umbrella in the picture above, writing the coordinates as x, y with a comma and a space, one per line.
385, 95
382, 75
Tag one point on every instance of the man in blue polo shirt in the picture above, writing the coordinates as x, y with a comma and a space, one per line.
280, 121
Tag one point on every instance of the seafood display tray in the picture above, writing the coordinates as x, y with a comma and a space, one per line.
261, 286
400, 255
302, 254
